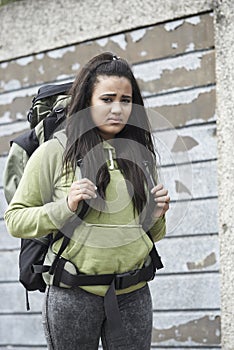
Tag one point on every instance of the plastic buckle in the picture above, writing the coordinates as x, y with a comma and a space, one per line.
125, 280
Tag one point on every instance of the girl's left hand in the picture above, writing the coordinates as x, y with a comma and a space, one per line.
161, 199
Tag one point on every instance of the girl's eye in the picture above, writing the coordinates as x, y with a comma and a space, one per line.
106, 99
126, 101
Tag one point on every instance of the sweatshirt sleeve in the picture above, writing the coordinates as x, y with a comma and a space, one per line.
13, 170
33, 211
158, 230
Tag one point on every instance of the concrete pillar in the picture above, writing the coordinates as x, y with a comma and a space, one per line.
224, 43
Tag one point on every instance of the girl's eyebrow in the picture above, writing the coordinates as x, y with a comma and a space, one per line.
113, 94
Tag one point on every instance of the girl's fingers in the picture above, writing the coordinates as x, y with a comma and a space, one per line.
163, 199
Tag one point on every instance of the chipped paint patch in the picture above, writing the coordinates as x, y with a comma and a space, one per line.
102, 42
4, 65
120, 40
19, 116
5, 118
75, 66
40, 56
173, 25
205, 330
63, 77
182, 97
15, 127
12, 84
41, 69
154, 70
59, 53
137, 35
181, 188
174, 45
10, 96
190, 47
143, 53
184, 143
193, 20
207, 261
24, 61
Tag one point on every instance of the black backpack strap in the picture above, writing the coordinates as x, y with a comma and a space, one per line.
51, 90
53, 121
28, 141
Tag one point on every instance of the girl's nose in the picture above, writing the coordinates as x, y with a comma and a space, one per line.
116, 108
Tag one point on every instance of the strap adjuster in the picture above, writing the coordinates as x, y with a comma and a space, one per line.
125, 280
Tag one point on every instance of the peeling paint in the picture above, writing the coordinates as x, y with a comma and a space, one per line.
154, 70
41, 69
137, 35
170, 26
120, 40
174, 99
181, 188
184, 144
40, 56
173, 25
102, 42
4, 65
205, 330
174, 45
59, 53
20, 116
15, 127
8, 98
190, 47
193, 20
75, 66
207, 261
12, 84
24, 61
63, 77
5, 118
143, 53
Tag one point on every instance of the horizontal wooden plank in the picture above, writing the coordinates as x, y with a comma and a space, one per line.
190, 181
176, 37
6, 240
190, 254
24, 330
186, 107
3, 203
2, 166
192, 217
186, 145
187, 291
199, 329
174, 146
183, 218
176, 73
165, 111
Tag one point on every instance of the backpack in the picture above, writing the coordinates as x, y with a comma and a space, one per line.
47, 114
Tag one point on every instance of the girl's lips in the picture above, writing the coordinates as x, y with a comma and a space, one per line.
115, 120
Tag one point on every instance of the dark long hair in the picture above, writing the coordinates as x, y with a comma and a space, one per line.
84, 142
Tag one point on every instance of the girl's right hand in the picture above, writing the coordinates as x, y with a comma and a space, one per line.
80, 190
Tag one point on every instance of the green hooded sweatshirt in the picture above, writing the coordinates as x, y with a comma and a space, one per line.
111, 241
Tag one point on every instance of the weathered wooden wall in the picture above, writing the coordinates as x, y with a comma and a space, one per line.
174, 63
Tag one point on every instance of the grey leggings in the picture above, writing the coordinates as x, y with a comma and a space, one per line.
75, 320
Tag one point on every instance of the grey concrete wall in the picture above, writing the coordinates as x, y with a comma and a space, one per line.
224, 27
173, 57
27, 28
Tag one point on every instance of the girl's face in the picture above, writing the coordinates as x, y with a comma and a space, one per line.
111, 104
